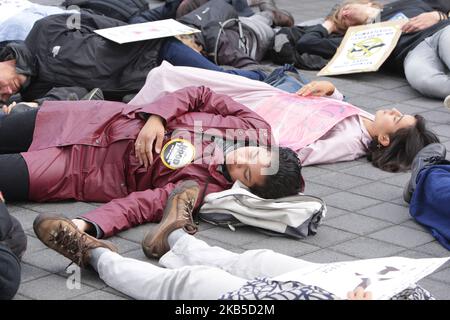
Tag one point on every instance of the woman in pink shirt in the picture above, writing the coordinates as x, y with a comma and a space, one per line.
316, 123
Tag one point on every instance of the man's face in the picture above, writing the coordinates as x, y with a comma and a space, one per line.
354, 14
10, 81
248, 164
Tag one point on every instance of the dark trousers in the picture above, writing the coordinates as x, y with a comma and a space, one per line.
16, 131
178, 54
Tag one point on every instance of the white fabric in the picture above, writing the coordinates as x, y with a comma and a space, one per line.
275, 215
144, 281
251, 93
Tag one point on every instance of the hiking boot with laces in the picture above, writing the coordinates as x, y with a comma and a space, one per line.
177, 214
63, 236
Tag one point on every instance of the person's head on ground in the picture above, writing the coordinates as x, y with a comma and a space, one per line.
11, 82
17, 66
354, 13
253, 167
397, 138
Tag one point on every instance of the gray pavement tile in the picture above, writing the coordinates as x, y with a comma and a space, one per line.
400, 202
136, 234
327, 236
48, 260
433, 248
139, 255
52, 287
366, 248
30, 272
391, 95
338, 165
442, 117
290, 247
399, 179
414, 254
443, 276
318, 190
388, 212
21, 297
87, 276
407, 89
413, 224
25, 216
339, 180
367, 171
34, 245
358, 88
98, 295
308, 172
116, 293
349, 201
368, 103
438, 289
405, 108
333, 212
441, 130
379, 190
402, 236
124, 245
426, 103
326, 256
240, 237
69, 209
358, 224
217, 243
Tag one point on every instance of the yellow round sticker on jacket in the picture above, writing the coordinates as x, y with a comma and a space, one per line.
177, 153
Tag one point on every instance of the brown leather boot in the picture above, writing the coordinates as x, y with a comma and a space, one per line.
281, 18
177, 214
63, 236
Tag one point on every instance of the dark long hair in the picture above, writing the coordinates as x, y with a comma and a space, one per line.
404, 145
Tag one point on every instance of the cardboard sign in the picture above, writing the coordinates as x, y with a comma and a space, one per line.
384, 277
146, 31
364, 48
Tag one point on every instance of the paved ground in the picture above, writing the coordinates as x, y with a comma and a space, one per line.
367, 217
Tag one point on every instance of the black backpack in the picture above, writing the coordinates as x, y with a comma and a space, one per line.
284, 52
118, 9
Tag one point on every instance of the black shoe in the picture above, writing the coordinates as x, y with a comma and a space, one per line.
430, 155
94, 94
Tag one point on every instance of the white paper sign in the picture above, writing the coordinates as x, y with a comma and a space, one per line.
9, 8
146, 31
364, 48
384, 277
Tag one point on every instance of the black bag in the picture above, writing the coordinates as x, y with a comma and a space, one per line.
118, 9
284, 51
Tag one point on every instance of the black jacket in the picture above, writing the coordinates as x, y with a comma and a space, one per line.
222, 44
64, 57
318, 41
13, 243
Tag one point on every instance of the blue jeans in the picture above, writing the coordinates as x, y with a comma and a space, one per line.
178, 54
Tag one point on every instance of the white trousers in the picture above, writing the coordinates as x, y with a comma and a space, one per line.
195, 271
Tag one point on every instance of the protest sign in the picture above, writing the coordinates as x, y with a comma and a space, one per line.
384, 277
364, 48
146, 31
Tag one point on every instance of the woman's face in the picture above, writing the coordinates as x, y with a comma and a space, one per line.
388, 121
354, 14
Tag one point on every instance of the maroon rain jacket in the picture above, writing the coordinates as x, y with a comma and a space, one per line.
84, 150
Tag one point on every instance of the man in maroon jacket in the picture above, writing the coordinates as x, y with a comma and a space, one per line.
132, 157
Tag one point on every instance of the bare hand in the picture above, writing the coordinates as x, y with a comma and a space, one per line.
317, 88
151, 134
359, 294
7, 109
421, 22
330, 26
